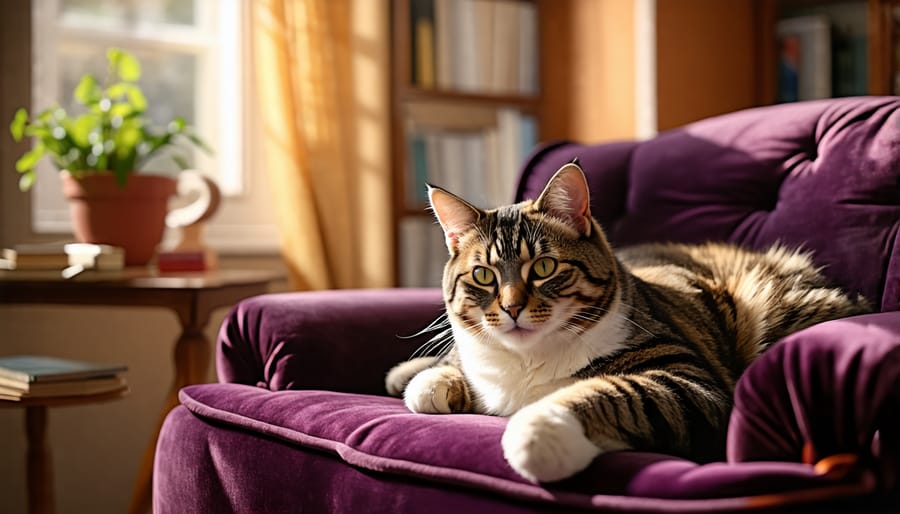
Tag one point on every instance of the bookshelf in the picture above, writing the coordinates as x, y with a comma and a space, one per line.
855, 45
465, 114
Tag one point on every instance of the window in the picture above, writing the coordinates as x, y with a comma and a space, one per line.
191, 67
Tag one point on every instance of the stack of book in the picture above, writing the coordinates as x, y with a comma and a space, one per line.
69, 258
28, 376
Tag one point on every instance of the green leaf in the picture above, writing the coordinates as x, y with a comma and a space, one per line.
197, 140
121, 173
124, 64
137, 98
132, 92
26, 180
41, 132
17, 127
157, 142
46, 115
118, 89
30, 158
88, 92
176, 126
80, 129
127, 138
180, 161
121, 110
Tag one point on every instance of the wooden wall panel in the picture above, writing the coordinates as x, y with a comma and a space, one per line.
587, 69
706, 59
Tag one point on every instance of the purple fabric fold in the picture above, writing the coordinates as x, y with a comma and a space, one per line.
379, 434
833, 388
341, 340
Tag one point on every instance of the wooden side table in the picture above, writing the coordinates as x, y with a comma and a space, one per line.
192, 296
38, 458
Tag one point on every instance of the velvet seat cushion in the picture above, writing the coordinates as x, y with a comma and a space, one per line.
462, 452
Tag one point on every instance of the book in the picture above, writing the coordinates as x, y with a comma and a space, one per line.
465, 57
422, 61
804, 58
509, 141
417, 196
473, 169
444, 48
484, 41
29, 369
12, 390
181, 261
505, 47
528, 50
423, 252
63, 255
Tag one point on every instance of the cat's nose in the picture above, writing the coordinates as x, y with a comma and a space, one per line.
512, 310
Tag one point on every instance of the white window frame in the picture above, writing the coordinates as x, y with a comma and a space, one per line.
220, 62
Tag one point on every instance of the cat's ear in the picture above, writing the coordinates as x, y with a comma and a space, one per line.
455, 215
567, 198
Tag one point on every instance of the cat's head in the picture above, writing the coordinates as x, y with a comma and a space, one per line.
519, 274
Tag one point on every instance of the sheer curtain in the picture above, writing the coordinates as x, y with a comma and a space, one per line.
321, 80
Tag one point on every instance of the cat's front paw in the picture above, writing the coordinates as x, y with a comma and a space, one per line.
440, 390
400, 375
545, 442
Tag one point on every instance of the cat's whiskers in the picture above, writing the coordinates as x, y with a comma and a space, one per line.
441, 321
438, 341
442, 340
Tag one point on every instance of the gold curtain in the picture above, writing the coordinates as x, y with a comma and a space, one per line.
321, 83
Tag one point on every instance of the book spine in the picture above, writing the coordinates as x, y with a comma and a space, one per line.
422, 62
444, 47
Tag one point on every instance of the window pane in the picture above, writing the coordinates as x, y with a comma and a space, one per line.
167, 78
118, 12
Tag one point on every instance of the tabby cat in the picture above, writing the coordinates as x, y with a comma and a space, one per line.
591, 351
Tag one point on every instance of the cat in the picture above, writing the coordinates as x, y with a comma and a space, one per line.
588, 350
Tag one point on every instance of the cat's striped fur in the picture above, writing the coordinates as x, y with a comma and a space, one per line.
589, 350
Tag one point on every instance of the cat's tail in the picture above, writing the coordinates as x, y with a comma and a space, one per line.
780, 292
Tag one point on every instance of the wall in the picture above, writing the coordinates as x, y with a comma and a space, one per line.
597, 57
706, 59
587, 69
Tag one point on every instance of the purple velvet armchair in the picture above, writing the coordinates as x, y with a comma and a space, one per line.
301, 423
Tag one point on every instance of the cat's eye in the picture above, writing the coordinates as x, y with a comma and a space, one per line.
544, 267
483, 275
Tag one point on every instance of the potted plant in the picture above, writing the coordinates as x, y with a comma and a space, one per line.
99, 153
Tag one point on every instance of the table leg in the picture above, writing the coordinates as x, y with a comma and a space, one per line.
192, 356
38, 464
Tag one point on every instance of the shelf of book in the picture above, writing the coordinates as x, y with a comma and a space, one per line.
829, 48
465, 114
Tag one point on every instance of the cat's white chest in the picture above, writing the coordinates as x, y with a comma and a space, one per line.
504, 384
504, 381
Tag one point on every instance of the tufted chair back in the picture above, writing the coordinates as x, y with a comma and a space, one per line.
824, 175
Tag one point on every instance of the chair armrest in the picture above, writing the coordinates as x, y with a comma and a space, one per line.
832, 388
341, 340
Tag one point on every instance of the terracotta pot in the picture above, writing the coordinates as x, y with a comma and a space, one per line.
133, 217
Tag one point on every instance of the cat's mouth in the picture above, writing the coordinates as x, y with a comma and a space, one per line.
520, 331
